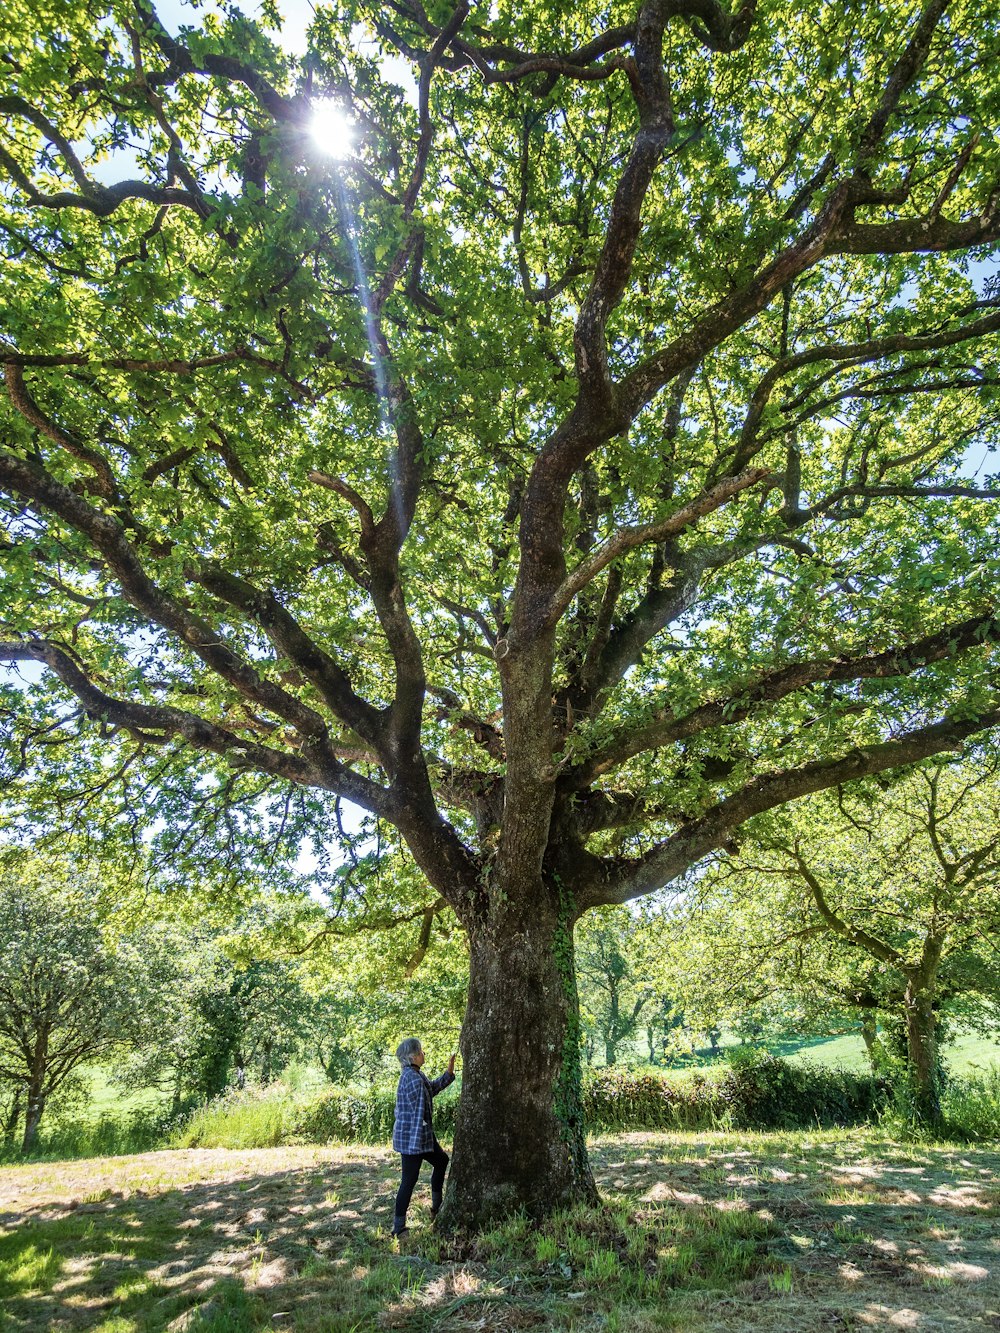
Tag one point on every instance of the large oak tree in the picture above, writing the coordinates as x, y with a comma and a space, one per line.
586, 461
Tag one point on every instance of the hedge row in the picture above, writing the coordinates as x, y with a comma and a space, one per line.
754, 1090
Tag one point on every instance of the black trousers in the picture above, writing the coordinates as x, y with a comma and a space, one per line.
412, 1162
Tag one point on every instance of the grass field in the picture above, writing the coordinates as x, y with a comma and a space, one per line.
968, 1052
777, 1233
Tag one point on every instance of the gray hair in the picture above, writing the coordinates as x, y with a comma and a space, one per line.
406, 1050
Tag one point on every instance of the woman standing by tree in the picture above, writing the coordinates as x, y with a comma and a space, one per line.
413, 1133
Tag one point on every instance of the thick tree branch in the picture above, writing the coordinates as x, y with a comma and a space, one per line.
152, 723
487, 55
905, 70
285, 110
101, 200
710, 831
107, 535
666, 729
854, 934
292, 642
639, 534
916, 235
614, 264
171, 366
623, 881
848, 355
105, 483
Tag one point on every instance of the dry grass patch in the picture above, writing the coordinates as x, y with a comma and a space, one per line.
701, 1233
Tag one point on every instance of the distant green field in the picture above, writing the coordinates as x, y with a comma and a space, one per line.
969, 1052
106, 1095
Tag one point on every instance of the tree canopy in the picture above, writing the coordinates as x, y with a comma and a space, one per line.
588, 457
70, 992
884, 900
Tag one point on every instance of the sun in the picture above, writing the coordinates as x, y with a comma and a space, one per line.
331, 129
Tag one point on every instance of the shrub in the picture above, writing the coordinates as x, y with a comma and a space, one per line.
755, 1090
142, 1129
762, 1091
362, 1117
619, 1099
244, 1118
971, 1105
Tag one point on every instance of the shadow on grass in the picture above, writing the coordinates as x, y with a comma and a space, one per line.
228, 1253
776, 1232
307, 1250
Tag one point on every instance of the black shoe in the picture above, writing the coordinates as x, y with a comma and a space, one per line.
403, 1231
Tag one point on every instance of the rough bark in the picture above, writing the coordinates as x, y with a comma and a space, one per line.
32, 1119
923, 1065
519, 1138
36, 1093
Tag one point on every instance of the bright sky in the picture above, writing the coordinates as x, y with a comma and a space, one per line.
122, 163
297, 15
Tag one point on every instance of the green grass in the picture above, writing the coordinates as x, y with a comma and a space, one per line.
968, 1052
106, 1096
697, 1232
255, 1119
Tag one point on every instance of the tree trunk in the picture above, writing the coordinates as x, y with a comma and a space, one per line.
612, 1028
175, 1098
519, 1136
869, 1035
35, 1093
923, 1066
32, 1118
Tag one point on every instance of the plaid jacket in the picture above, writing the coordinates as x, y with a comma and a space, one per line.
413, 1131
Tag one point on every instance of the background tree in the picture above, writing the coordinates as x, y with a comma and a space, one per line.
172, 1059
880, 900
666, 1028
69, 996
228, 1024
262, 980
586, 462
616, 995
394, 967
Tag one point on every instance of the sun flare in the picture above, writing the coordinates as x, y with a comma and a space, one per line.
331, 129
